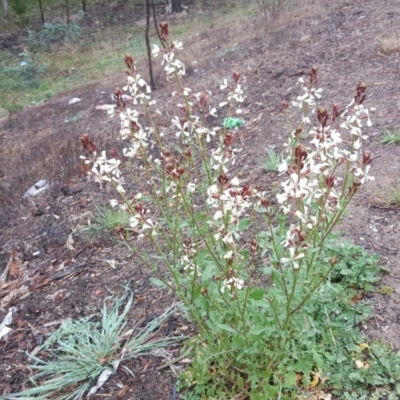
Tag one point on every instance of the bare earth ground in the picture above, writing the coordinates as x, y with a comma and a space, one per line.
341, 40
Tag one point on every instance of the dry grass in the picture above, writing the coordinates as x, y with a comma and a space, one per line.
54, 157
389, 43
389, 196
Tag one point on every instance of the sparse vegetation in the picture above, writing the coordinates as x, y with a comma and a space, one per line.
390, 137
389, 43
106, 223
54, 35
386, 290
80, 356
392, 195
273, 160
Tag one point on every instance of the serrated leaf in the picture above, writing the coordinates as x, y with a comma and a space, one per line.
244, 224
290, 379
257, 293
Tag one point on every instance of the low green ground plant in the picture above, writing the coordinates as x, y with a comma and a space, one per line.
390, 137
391, 195
273, 160
105, 223
80, 356
277, 298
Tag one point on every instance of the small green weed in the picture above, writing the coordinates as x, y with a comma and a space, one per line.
111, 219
273, 160
228, 50
386, 290
392, 195
81, 351
390, 137
105, 225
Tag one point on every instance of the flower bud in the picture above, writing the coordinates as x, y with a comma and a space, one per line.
313, 76
253, 246
164, 31
246, 191
302, 236
360, 93
228, 140
335, 111
87, 143
284, 106
235, 76
322, 115
367, 157
223, 179
300, 154
129, 63
114, 153
265, 202
297, 132
330, 181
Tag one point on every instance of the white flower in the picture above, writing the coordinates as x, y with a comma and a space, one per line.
151, 226
114, 203
218, 215
231, 284
191, 187
224, 85
134, 221
156, 50
213, 112
177, 45
236, 95
229, 255
219, 161
119, 188
189, 265
293, 258
363, 175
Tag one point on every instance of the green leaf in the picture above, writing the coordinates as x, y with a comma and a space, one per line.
244, 224
257, 293
290, 379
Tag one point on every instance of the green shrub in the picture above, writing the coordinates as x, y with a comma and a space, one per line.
53, 33
26, 75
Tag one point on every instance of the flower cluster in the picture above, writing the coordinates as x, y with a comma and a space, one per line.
312, 193
171, 65
104, 169
313, 171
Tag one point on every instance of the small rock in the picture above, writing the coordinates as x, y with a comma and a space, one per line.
74, 100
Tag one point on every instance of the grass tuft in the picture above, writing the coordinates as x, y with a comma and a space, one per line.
391, 137
392, 195
80, 352
390, 43
273, 160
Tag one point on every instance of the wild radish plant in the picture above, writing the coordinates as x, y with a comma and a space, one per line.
251, 271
